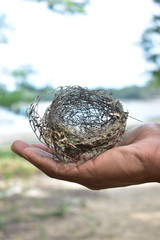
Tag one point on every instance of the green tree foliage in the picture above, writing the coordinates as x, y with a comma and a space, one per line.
156, 1
150, 43
25, 91
136, 92
66, 6
8, 99
21, 76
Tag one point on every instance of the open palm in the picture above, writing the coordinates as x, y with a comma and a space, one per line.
135, 161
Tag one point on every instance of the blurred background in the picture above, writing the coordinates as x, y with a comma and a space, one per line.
44, 44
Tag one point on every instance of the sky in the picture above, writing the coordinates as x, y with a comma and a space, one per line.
98, 49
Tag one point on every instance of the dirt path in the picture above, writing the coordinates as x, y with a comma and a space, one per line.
47, 209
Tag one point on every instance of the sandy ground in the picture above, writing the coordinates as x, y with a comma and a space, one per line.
47, 209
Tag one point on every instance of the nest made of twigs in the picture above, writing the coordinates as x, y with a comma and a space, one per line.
79, 123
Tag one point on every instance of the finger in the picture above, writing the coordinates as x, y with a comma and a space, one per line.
42, 151
18, 146
43, 161
129, 136
42, 146
48, 165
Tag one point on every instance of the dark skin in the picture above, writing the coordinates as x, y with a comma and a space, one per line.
135, 161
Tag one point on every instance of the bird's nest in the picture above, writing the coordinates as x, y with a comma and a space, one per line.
79, 124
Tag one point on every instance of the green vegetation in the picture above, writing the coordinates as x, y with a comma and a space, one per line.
25, 92
60, 211
150, 42
9, 99
135, 92
12, 166
66, 6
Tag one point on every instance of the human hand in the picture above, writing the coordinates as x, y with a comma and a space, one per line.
135, 161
